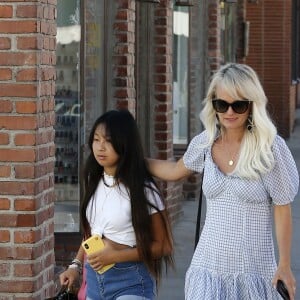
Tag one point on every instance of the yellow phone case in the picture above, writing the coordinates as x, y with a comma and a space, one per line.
93, 244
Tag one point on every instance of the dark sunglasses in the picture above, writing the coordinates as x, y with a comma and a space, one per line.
239, 106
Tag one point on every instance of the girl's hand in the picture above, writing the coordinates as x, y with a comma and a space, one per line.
69, 277
102, 258
286, 275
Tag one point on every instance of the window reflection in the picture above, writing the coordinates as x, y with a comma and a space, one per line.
180, 79
67, 109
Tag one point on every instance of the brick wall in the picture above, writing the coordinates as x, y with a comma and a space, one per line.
163, 107
124, 56
270, 55
27, 58
214, 35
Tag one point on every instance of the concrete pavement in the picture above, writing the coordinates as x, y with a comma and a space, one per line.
172, 286
294, 145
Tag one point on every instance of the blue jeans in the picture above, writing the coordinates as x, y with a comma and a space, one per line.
124, 281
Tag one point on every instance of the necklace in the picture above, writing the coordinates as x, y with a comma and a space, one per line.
108, 180
232, 158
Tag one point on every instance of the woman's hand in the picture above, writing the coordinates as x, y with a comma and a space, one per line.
69, 277
283, 229
286, 275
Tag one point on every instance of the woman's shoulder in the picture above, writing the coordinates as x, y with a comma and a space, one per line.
283, 179
201, 138
279, 143
194, 156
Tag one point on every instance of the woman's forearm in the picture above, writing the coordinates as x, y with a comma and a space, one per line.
168, 170
283, 228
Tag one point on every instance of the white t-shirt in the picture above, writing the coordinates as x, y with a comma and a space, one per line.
109, 213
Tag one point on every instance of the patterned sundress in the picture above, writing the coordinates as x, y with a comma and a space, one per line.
235, 258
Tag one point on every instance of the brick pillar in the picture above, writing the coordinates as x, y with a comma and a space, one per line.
163, 80
214, 35
124, 56
27, 74
163, 92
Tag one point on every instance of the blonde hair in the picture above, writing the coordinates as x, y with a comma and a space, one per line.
241, 82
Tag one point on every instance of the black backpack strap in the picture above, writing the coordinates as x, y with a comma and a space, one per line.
197, 234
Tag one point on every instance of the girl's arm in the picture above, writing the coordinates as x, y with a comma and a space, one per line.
161, 246
71, 275
168, 170
283, 228
163, 243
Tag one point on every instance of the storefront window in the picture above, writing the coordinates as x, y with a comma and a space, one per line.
67, 109
95, 73
180, 79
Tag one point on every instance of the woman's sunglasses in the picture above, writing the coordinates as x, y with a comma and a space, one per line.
239, 106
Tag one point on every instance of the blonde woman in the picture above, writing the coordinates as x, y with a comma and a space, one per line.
250, 176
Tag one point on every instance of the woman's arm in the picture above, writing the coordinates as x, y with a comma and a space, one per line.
168, 170
283, 229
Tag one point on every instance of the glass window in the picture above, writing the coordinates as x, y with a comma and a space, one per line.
95, 73
67, 109
82, 82
180, 75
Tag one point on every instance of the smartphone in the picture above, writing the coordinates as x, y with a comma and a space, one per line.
282, 290
94, 244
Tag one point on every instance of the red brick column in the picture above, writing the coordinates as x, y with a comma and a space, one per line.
124, 55
214, 35
27, 74
163, 80
163, 93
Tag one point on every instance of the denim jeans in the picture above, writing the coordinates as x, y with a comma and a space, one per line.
124, 281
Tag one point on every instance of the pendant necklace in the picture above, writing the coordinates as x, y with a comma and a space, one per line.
232, 158
230, 162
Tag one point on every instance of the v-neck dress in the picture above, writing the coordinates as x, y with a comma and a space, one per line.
234, 258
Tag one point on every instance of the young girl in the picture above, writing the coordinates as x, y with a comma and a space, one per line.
122, 204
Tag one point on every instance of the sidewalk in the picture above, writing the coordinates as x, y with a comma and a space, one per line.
294, 145
172, 286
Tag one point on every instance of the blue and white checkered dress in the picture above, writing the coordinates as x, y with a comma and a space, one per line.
235, 257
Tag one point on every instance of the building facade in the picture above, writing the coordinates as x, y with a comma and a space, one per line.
65, 62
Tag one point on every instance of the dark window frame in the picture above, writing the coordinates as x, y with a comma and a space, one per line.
296, 41
144, 73
229, 32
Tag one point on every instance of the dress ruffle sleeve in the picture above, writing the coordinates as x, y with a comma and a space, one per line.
193, 158
282, 182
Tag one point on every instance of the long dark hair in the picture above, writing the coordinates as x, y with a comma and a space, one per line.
132, 171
